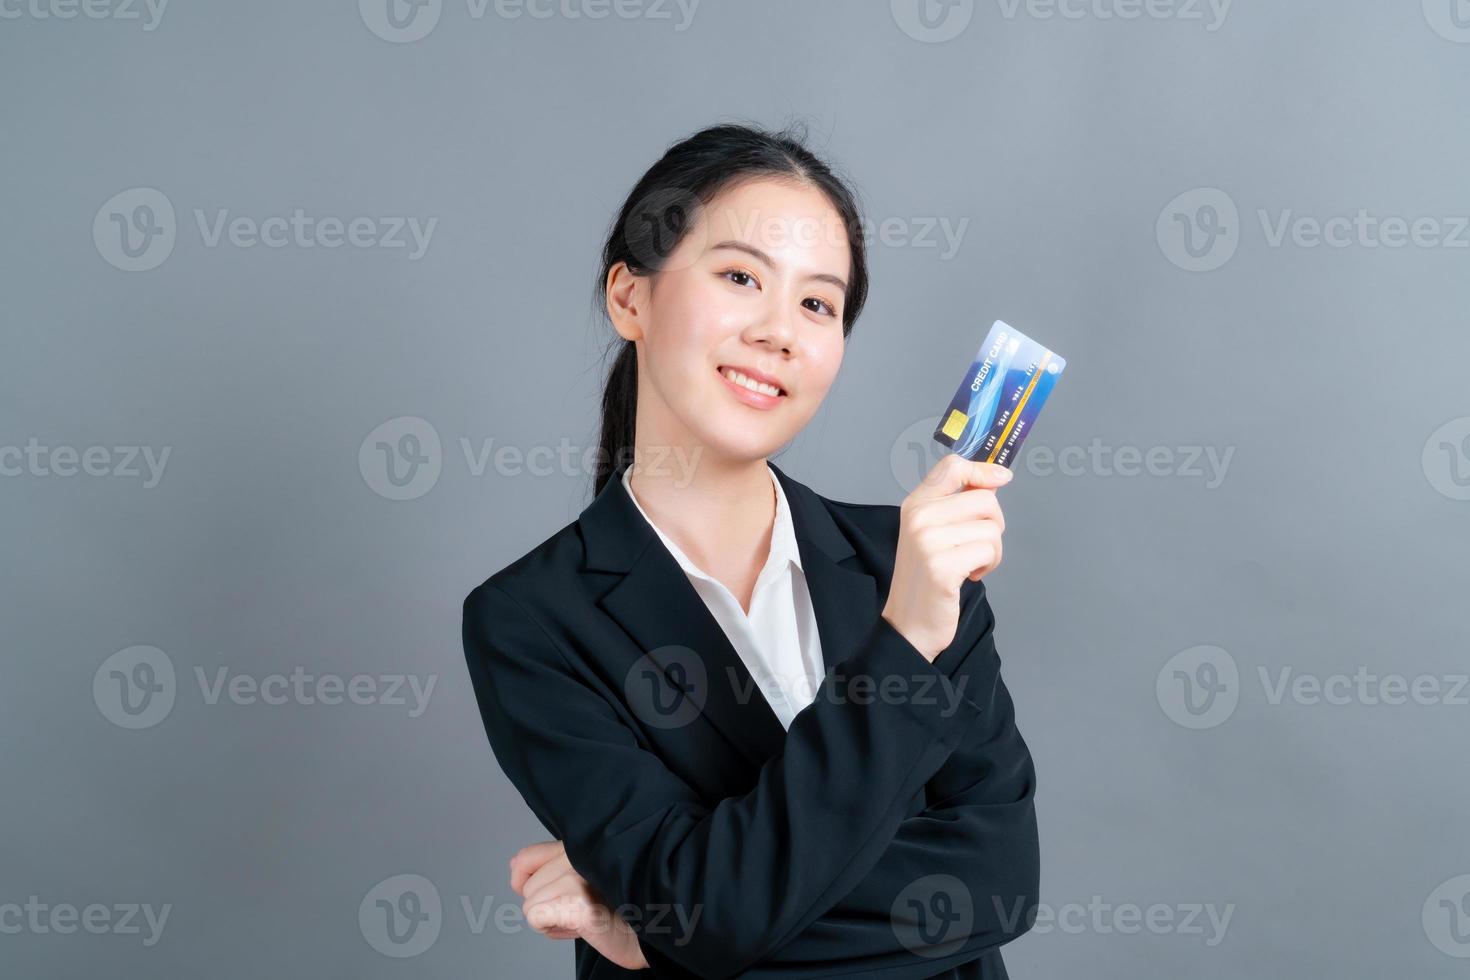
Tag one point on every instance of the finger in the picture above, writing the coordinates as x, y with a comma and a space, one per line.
966, 560
974, 504
552, 878
954, 472
940, 538
555, 913
523, 863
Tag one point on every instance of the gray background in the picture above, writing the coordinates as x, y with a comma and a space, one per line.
1335, 376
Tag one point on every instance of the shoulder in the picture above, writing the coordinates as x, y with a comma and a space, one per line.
546, 569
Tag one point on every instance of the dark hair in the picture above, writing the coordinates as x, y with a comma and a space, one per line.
658, 214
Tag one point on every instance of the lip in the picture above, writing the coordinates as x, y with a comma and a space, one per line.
755, 399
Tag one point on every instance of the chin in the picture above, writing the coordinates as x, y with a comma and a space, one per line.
721, 446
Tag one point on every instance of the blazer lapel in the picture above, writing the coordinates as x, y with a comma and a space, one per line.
654, 602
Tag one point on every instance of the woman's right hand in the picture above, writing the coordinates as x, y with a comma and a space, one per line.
950, 530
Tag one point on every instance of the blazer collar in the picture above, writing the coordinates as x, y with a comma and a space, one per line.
657, 606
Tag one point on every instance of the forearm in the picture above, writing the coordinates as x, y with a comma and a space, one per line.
745, 872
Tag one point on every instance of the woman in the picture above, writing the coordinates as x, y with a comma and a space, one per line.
767, 728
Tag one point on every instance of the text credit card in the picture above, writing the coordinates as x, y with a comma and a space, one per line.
1000, 396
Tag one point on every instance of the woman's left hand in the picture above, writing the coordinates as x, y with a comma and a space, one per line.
560, 904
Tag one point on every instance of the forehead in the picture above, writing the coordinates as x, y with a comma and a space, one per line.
791, 220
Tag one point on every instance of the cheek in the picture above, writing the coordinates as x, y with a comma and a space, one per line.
698, 319
823, 361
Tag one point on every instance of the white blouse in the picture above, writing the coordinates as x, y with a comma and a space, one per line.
778, 641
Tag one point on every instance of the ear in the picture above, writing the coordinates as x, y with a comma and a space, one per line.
627, 298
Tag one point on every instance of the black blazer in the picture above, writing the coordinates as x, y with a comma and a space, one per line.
890, 833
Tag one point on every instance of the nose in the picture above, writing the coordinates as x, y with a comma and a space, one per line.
776, 330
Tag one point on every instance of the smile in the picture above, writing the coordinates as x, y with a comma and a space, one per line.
757, 394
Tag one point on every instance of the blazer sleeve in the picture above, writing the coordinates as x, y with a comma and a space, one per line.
738, 876
957, 879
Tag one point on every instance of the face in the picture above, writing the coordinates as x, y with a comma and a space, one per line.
756, 287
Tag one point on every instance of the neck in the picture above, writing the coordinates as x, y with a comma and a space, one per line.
719, 511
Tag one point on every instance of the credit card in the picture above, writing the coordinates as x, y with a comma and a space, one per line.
999, 397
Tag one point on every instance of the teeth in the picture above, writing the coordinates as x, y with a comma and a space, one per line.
748, 382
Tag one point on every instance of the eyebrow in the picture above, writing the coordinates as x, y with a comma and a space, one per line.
752, 250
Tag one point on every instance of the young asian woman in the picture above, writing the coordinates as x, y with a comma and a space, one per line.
767, 728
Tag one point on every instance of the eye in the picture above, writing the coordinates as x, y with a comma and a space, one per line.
739, 272
825, 305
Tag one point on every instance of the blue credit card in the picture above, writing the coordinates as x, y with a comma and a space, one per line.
999, 397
